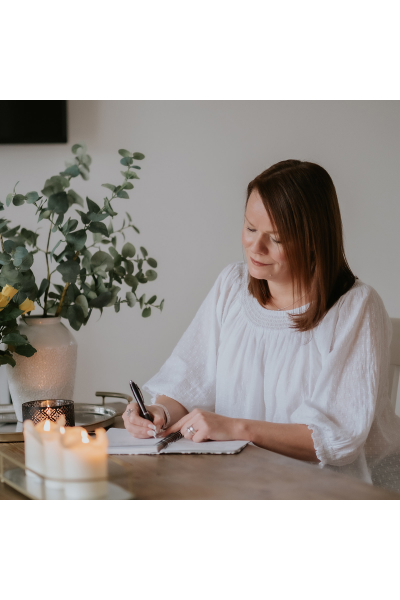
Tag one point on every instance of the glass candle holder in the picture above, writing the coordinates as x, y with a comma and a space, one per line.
41, 410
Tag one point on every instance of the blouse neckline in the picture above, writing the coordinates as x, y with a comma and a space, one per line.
257, 314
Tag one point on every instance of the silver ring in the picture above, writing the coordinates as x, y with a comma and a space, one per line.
190, 429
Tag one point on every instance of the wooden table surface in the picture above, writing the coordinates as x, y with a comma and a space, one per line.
254, 473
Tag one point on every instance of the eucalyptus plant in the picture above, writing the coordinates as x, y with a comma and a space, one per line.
86, 260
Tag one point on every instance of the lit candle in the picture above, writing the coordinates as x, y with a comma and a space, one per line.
34, 453
85, 459
43, 451
53, 456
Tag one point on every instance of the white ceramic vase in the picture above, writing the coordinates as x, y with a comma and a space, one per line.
50, 373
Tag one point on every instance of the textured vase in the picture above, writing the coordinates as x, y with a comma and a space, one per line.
50, 373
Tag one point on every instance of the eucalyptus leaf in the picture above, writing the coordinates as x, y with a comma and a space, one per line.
122, 194
109, 186
100, 257
11, 232
92, 206
151, 275
126, 161
84, 217
152, 300
30, 236
44, 214
146, 312
74, 198
32, 197
96, 217
77, 239
84, 171
9, 275
73, 171
81, 300
98, 228
75, 316
128, 250
117, 306
26, 350
129, 175
113, 252
161, 305
108, 208
143, 251
132, 282
151, 262
10, 246
43, 287
26, 262
129, 266
69, 270
142, 300
5, 258
130, 299
123, 152
19, 199
10, 312
58, 202
14, 339
138, 156
101, 301
9, 199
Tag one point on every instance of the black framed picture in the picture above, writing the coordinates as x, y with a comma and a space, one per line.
33, 122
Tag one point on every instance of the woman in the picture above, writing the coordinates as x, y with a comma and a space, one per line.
289, 351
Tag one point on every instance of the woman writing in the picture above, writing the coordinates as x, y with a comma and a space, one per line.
289, 350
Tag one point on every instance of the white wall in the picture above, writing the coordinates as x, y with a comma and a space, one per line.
189, 202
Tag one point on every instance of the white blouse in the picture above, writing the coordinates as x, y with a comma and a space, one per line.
241, 360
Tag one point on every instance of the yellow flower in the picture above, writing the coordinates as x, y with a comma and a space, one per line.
27, 306
5, 295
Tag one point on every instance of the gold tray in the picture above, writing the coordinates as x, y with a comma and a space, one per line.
89, 416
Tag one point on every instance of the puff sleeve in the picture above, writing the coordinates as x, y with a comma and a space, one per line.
354, 344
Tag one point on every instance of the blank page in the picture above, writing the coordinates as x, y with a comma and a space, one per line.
121, 442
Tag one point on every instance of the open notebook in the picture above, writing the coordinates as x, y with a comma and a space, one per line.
120, 441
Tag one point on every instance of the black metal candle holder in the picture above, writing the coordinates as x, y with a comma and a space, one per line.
41, 410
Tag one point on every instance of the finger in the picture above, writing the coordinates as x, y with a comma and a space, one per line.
187, 419
139, 432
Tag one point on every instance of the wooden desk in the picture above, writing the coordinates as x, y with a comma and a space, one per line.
254, 474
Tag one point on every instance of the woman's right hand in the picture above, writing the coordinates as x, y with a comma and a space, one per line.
142, 428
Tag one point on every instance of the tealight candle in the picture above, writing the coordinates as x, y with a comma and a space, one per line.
84, 459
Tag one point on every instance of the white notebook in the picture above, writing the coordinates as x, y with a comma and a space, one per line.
120, 441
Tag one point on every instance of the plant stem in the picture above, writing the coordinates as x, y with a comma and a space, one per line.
1, 241
48, 271
62, 299
58, 311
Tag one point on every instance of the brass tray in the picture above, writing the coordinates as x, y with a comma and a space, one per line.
89, 416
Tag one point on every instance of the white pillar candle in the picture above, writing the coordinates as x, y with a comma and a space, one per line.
53, 452
34, 453
85, 458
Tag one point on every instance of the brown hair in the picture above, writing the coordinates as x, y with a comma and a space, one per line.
302, 204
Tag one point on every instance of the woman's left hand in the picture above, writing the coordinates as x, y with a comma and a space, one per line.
207, 426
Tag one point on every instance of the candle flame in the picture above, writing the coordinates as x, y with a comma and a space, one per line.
85, 438
47, 426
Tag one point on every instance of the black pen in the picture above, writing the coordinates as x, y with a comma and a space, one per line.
137, 394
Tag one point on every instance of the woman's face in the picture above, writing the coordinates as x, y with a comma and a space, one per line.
262, 245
